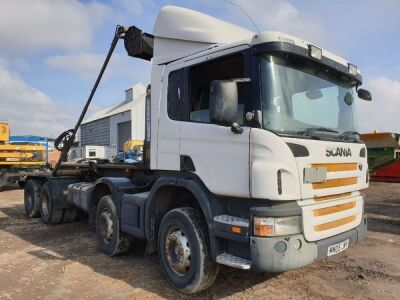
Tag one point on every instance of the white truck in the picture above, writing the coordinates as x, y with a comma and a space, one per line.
251, 155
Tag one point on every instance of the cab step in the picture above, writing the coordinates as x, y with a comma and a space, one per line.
233, 261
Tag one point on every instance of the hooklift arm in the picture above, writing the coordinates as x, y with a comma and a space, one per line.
137, 44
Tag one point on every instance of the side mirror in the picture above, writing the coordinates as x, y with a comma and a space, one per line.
223, 102
364, 95
314, 95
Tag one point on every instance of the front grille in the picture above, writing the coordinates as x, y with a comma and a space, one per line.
334, 209
331, 215
337, 167
331, 183
338, 175
331, 197
334, 224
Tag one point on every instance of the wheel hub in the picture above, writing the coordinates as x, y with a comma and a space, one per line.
177, 250
106, 226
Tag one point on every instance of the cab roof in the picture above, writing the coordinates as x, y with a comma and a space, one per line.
181, 32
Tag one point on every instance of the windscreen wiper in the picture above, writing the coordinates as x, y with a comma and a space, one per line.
318, 128
351, 133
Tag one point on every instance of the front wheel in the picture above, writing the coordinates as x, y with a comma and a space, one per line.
184, 251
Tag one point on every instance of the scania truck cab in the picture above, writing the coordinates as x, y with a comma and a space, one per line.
252, 156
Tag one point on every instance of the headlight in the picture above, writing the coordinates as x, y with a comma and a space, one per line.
277, 226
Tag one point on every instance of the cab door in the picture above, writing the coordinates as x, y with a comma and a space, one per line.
168, 121
217, 155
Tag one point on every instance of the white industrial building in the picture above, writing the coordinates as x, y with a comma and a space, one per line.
111, 127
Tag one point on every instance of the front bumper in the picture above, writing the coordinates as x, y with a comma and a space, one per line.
279, 254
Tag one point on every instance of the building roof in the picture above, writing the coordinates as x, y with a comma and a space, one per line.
139, 93
380, 140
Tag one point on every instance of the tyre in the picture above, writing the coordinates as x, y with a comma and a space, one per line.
21, 184
32, 198
48, 213
184, 251
111, 239
69, 215
3, 178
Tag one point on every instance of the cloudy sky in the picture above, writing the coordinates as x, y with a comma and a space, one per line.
51, 51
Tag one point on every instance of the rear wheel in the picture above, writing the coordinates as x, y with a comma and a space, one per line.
111, 239
48, 213
184, 251
32, 198
3, 178
70, 215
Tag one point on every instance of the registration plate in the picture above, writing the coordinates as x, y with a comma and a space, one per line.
339, 247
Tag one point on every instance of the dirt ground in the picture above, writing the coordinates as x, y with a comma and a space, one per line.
62, 262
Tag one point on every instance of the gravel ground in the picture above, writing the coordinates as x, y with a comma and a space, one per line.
62, 262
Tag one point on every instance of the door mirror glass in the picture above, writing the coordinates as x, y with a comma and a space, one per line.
364, 95
348, 98
314, 95
223, 102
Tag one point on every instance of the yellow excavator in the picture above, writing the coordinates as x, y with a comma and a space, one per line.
17, 159
132, 152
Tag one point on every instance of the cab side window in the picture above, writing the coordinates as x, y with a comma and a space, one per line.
175, 97
200, 77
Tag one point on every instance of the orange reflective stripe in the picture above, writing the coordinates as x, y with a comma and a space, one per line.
334, 183
334, 209
335, 224
337, 167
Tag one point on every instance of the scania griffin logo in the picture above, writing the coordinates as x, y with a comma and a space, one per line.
338, 152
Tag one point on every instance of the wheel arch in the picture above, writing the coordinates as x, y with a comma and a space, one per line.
100, 190
168, 193
112, 186
40, 178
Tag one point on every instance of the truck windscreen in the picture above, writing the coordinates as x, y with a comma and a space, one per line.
299, 95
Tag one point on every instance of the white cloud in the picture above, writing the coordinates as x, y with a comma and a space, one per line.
30, 25
28, 110
280, 16
134, 7
87, 65
383, 112
84, 64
